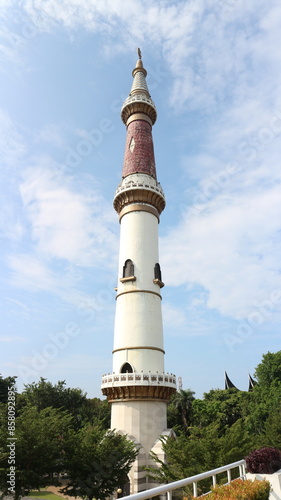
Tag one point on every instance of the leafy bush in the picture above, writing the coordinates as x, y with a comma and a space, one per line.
266, 460
242, 490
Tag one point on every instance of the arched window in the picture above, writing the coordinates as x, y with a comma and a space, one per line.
157, 272
128, 269
128, 272
157, 276
127, 368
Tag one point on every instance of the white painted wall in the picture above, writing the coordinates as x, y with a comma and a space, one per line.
139, 242
145, 420
138, 317
275, 481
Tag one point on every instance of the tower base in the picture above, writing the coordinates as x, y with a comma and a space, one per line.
138, 479
146, 424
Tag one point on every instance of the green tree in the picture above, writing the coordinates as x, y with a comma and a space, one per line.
224, 426
272, 431
264, 401
220, 407
39, 448
97, 462
187, 456
100, 412
269, 370
44, 394
180, 409
236, 443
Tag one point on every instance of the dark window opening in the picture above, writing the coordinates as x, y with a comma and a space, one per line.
157, 272
127, 368
128, 269
157, 276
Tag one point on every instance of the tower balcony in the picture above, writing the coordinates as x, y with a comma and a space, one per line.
138, 103
139, 188
139, 386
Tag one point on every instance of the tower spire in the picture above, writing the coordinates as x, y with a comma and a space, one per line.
139, 100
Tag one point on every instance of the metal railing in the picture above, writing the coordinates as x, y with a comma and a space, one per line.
169, 488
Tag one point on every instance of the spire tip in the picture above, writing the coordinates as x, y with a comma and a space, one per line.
139, 53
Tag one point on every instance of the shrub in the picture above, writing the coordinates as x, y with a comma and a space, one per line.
266, 460
242, 490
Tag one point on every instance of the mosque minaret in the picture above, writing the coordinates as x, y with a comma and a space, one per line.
138, 387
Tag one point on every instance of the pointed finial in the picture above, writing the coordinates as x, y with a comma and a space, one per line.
139, 100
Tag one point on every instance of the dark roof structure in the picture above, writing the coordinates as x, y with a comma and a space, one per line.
227, 382
229, 385
252, 383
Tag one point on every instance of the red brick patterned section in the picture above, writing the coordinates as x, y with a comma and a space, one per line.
139, 154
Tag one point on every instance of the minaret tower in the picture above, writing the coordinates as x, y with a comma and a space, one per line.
138, 387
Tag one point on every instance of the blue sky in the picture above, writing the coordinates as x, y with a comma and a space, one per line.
214, 72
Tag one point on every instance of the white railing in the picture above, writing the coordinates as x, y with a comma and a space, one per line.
120, 379
135, 181
169, 488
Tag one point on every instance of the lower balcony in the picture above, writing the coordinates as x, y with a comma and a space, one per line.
138, 386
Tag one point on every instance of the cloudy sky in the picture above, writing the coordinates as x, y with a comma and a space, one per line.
214, 72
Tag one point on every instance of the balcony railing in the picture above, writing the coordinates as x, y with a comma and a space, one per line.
119, 379
169, 488
140, 182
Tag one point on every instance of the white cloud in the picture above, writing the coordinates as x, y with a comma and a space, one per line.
51, 363
206, 64
31, 273
13, 338
12, 152
173, 317
68, 227
67, 224
185, 320
51, 133
12, 147
231, 250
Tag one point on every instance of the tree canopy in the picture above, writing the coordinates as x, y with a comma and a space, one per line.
38, 448
268, 372
97, 462
59, 429
44, 394
223, 426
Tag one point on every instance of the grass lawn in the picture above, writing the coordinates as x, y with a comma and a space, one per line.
44, 494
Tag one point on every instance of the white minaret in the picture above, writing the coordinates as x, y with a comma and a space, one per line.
139, 389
